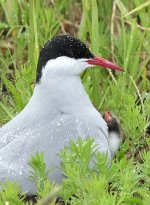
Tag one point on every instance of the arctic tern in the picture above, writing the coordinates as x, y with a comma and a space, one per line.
59, 110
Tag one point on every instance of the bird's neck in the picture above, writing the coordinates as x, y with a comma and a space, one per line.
60, 95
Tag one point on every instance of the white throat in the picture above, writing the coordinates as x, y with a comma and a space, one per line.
114, 142
64, 94
60, 89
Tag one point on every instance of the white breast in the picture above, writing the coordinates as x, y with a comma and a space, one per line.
114, 142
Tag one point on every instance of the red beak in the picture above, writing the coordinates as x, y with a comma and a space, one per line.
104, 63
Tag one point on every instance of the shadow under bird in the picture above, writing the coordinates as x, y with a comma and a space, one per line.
59, 110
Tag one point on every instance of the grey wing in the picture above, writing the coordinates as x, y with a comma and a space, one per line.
48, 137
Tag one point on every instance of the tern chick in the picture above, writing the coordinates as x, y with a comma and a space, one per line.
114, 132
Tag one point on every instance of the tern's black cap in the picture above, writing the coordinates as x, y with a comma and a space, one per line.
62, 45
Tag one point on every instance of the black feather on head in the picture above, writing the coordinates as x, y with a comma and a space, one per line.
62, 45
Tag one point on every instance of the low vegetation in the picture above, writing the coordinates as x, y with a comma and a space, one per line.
118, 30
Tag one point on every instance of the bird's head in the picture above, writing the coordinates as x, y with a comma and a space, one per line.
66, 55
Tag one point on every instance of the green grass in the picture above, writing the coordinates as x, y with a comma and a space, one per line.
117, 30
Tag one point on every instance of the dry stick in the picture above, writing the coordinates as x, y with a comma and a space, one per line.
63, 28
50, 197
112, 29
138, 92
138, 26
112, 37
